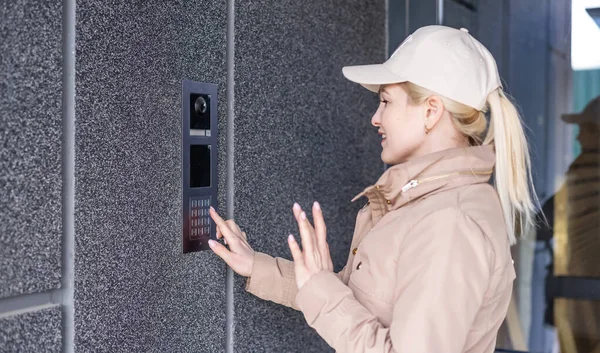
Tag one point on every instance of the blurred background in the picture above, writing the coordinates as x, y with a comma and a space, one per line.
91, 161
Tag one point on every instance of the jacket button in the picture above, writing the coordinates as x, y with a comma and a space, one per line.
359, 266
354, 251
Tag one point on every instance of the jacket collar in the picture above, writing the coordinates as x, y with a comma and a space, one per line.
429, 174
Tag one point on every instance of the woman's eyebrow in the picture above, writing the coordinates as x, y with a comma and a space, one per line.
382, 91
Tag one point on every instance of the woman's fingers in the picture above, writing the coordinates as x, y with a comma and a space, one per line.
298, 214
320, 228
306, 234
233, 226
310, 241
296, 252
321, 235
222, 226
220, 235
221, 251
235, 230
297, 210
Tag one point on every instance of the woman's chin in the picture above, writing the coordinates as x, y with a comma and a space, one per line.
392, 159
385, 158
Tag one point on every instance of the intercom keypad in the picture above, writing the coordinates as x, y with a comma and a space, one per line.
200, 222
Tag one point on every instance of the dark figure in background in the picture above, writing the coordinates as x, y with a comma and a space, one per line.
573, 215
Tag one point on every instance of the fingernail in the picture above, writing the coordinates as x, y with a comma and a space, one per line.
317, 206
290, 237
211, 243
212, 208
296, 206
303, 215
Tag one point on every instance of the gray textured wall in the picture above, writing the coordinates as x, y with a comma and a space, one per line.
30, 149
134, 290
302, 133
30, 171
37, 331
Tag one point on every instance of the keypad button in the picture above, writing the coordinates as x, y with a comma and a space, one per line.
199, 217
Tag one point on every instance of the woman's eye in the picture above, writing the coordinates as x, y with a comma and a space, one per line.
383, 101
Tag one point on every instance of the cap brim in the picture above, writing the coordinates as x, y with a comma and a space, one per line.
371, 76
572, 118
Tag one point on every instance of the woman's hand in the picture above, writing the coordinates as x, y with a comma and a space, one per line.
314, 256
239, 256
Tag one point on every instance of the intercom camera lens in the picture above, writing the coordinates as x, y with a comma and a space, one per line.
200, 105
199, 108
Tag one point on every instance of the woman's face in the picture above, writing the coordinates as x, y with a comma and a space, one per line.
401, 124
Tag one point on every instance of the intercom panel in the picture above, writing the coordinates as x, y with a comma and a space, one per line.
199, 159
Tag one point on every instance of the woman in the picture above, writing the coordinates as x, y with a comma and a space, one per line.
429, 269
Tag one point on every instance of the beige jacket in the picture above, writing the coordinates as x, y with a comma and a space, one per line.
429, 270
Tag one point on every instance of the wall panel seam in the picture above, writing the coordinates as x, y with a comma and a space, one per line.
68, 174
229, 192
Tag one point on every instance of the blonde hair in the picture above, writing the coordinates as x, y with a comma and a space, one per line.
512, 176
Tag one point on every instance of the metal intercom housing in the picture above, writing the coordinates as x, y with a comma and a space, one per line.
199, 159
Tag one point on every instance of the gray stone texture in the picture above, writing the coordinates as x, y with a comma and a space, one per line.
33, 332
302, 133
134, 289
30, 150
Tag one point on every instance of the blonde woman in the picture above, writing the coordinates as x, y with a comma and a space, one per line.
430, 269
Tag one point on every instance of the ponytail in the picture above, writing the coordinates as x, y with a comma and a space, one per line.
512, 176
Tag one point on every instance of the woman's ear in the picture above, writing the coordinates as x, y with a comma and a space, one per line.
434, 109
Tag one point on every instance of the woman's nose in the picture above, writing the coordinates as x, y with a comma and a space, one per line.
376, 119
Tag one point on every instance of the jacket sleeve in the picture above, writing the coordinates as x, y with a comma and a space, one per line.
274, 279
443, 271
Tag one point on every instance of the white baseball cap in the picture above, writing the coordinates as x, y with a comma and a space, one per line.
445, 60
